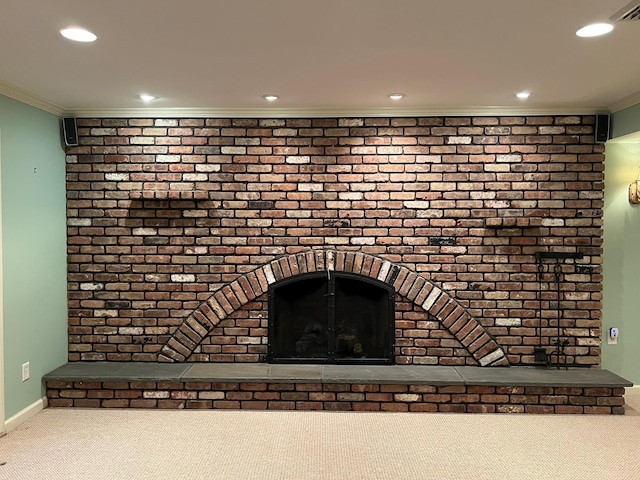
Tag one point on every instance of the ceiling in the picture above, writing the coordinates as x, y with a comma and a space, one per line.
320, 57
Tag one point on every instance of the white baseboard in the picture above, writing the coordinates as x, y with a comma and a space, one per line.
25, 414
635, 390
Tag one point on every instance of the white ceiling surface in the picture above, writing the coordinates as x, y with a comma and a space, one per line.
323, 55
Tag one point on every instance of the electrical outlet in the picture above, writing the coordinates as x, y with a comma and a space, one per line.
612, 336
25, 372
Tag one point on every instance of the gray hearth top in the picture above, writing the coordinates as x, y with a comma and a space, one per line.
395, 374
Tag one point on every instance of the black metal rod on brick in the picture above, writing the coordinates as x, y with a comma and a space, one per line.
559, 255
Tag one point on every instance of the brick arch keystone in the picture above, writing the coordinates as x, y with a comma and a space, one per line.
411, 285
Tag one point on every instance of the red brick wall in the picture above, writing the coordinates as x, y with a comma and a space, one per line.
162, 212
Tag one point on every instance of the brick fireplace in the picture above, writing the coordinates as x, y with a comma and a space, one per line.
444, 310
178, 227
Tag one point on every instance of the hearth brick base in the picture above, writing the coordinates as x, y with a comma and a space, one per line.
336, 396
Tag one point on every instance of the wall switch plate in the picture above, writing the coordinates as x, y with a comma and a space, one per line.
25, 372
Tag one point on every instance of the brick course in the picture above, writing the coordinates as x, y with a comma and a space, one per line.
343, 397
162, 213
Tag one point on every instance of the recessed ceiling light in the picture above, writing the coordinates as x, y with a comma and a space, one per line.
594, 30
145, 97
396, 96
270, 97
78, 34
523, 95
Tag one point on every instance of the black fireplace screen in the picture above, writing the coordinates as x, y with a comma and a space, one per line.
331, 318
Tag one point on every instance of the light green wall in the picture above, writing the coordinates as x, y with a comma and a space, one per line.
621, 261
625, 121
33, 249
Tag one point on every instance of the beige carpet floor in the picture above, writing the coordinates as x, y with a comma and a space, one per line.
145, 444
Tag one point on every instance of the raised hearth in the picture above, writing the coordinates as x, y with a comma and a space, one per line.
336, 387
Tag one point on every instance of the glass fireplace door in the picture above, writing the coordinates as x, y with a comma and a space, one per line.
331, 318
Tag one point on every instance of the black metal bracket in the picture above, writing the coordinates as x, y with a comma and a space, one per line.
541, 357
559, 255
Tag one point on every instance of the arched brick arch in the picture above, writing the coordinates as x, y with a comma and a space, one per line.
230, 297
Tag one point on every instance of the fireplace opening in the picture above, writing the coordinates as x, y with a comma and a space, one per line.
329, 317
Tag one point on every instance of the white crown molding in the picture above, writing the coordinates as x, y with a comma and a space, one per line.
626, 102
327, 113
29, 98
439, 111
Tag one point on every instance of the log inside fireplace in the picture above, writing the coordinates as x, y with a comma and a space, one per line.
329, 317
